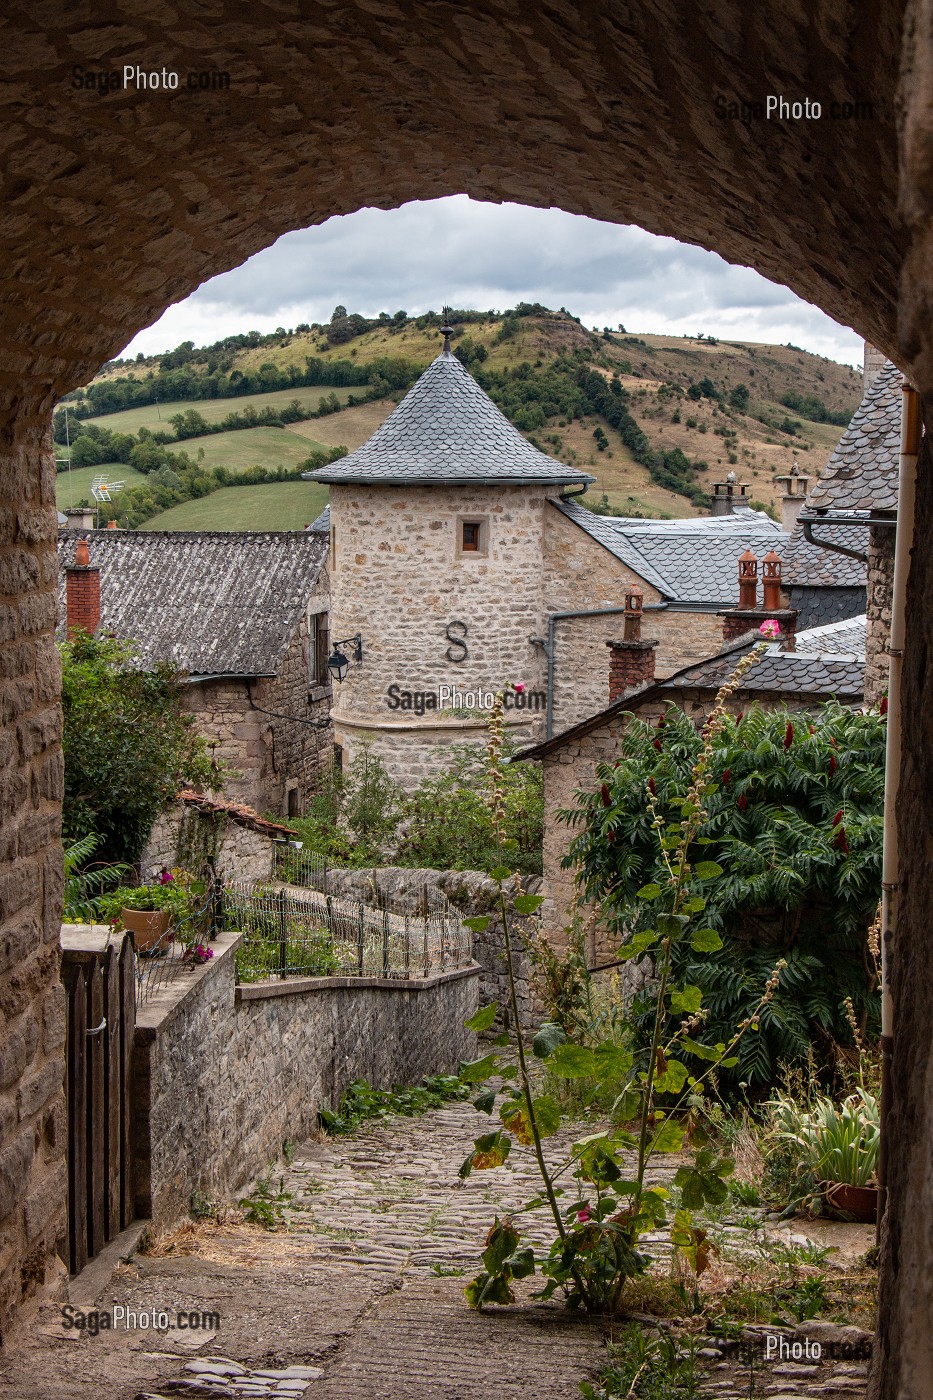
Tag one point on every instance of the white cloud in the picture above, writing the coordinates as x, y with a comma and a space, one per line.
470, 254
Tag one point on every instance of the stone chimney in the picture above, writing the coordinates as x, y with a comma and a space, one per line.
795, 493
748, 616
631, 661
727, 495
112, 525
80, 517
82, 592
873, 362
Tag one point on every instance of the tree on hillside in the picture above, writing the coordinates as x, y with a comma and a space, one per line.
128, 742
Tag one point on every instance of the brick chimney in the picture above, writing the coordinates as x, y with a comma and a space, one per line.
631, 661
748, 616
82, 592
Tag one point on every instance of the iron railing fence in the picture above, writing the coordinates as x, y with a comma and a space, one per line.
294, 864
294, 932
184, 944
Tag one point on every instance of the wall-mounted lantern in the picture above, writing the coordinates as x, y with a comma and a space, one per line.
338, 663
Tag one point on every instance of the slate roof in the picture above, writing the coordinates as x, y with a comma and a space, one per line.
687, 561
806, 565
812, 673
843, 638
321, 524
224, 603
447, 430
861, 474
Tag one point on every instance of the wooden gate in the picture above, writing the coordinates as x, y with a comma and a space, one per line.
98, 972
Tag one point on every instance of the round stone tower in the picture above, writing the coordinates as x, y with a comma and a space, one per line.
437, 567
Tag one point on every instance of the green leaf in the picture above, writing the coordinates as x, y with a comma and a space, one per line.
707, 870
522, 1262
489, 1151
515, 1117
475, 1071
481, 1020
705, 940
688, 999
702, 1052
500, 873
549, 1036
479, 923
669, 1137
485, 1102
650, 891
572, 1061
694, 905
503, 1238
673, 1079
612, 1062
640, 943
527, 903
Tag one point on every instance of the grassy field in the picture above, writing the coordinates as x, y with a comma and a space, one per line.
285, 505
252, 447
79, 489
156, 416
349, 429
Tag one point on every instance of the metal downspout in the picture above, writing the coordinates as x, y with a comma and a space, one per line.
556, 617
907, 482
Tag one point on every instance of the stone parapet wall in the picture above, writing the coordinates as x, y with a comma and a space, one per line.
226, 1074
880, 596
240, 852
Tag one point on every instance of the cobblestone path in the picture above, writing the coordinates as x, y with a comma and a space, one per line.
362, 1298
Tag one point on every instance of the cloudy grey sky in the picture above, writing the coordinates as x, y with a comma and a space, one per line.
470, 254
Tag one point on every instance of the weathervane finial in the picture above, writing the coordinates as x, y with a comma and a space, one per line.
446, 328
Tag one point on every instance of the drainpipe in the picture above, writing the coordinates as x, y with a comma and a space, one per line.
903, 540
548, 644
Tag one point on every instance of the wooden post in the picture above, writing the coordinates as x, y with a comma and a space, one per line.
113, 1082
96, 1115
127, 1031
385, 942
76, 992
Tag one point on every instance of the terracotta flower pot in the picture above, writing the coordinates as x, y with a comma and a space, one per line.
148, 926
858, 1202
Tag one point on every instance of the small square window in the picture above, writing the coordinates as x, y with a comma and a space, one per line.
470, 538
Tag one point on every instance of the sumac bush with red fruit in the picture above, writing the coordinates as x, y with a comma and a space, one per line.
795, 822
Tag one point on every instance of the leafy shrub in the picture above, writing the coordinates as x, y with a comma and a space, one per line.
450, 826
835, 1143
794, 821
129, 745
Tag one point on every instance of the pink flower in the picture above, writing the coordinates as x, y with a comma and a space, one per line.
165, 876
770, 628
519, 689
584, 1215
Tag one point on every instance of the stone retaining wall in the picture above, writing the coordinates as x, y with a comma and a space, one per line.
226, 1074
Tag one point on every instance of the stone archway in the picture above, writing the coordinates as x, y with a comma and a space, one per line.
116, 204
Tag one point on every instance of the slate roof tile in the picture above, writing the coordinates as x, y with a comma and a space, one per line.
806, 565
687, 561
861, 473
224, 603
446, 429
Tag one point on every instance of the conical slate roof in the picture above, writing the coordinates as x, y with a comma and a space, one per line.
447, 430
862, 472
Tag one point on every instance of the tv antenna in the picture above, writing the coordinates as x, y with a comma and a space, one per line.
67, 458
103, 492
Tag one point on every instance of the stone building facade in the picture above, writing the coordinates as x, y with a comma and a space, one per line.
462, 564
245, 617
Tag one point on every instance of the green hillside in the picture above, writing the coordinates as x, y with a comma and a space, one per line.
656, 419
157, 416
287, 505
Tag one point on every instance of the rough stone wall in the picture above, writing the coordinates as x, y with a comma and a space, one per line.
473, 893
242, 853
269, 755
816, 606
32, 1002
412, 753
880, 593
225, 1075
